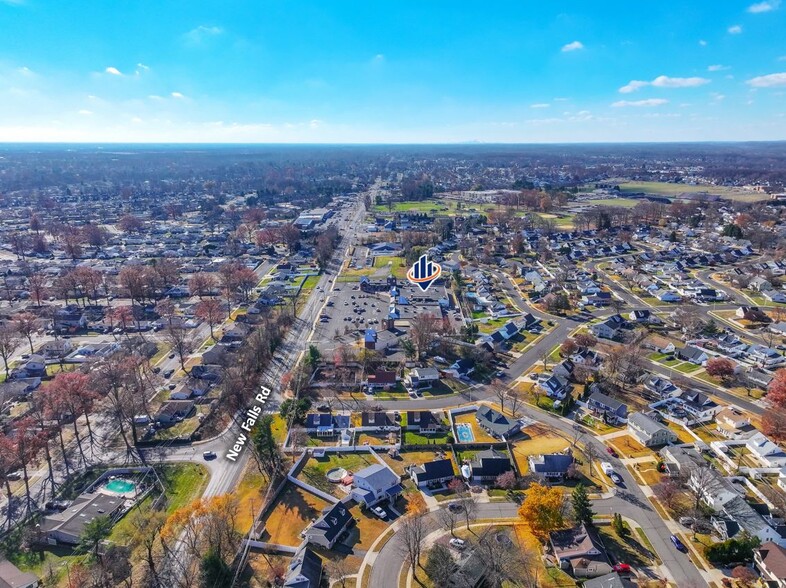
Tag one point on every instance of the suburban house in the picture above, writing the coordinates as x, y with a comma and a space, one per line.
643, 317
693, 354
770, 560
649, 432
552, 466
765, 356
564, 368
423, 377
732, 423
680, 460
496, 424
607, 329
555, 387
326, 529
379, 420
68, 526
381, 380
765, 451
580, 550
662, 387
13, 577
174, 411
374, 484
305, 570
432, 473
489, 464
423, 421
326, 424
607, 407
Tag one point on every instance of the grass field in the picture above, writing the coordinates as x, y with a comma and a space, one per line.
621, 202
293, 511
668, 189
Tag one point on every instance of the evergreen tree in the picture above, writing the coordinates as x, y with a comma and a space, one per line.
582, 510
214, 572
265, 447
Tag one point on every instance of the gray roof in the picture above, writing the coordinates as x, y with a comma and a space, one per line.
378, 475
611, 580
305, 570
13, 577
644, 423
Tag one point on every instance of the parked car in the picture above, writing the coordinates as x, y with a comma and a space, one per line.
457, 543
168, 373
615, 477
611, 452
687, 521
622, 568
678, 544
380, 512
455, 507
209, 455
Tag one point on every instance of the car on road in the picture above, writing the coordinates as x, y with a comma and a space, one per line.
455, 507
171, 356
457, 543
168, 373
499, 374
611, 452
209, 455
615, 477
678, 544
380, 512
622, 568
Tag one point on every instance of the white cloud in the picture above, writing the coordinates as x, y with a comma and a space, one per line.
667, 82
648, 102
155, 97
718, 67
768, 81
113, 71
177, 95
25, 71
702, 42
539, 105
664, 82
574, 46
632, 86
201, 33
141, 68
734, 30
717, 97
766, 6
84, 112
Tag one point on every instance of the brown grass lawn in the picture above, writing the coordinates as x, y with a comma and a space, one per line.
314, 470
408, 458
627, 550
261, 568
480, 435
682, 434
381, 439
250, 494
627, 446
538, 439
649, 474
367, 529
294, 510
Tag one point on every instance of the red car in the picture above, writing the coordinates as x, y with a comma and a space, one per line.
611, 452
621, 568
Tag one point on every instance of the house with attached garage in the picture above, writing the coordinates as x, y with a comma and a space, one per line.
648, 431
432, 473
496, 424
556, 387
381, 380
174, 411
552, 466
643, 317
767, 453
326, 424
327, 528
731, 345
693, 354
662, 387
305, 570
375, 483
732, 423
423, 377
607, 407
564, 368
775, 296
423, 421
765, 356
378, 420
609, 328
488, 465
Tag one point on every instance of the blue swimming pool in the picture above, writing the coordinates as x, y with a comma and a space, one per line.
464, 433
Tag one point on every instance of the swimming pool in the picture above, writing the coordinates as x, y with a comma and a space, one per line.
464, 433
120, 486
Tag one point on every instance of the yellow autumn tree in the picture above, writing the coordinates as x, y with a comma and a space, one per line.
416, 504
543, 510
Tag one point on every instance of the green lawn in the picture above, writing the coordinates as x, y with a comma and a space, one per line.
622, 202
668, 189
413, 438
687, 367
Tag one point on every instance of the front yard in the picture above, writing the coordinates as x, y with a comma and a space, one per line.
294, 510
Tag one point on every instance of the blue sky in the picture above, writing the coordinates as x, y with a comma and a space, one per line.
420, 72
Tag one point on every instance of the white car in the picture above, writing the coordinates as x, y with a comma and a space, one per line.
457, 543
380, 512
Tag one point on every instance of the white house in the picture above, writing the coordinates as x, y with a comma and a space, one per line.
374, 484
